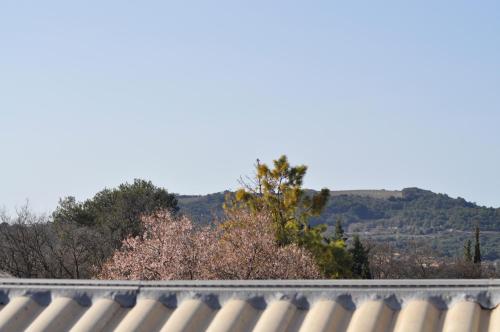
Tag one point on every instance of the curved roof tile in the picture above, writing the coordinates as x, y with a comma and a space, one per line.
218, 306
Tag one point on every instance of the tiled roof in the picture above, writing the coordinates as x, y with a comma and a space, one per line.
310, 305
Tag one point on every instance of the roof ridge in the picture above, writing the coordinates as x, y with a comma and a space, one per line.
333, 284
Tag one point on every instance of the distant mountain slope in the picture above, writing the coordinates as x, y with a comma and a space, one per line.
202, 208
396, 216
369, 193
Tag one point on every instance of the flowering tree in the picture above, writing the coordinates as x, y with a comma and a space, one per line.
241, 247
247, 249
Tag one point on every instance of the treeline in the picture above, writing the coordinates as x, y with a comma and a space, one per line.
270, 228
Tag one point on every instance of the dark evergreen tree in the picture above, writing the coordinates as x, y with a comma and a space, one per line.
116, 212
360, 263
468, 251
477, 248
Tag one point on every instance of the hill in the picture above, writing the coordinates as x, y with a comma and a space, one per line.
400, 217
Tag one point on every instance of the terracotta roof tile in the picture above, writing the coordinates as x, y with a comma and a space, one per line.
271, 306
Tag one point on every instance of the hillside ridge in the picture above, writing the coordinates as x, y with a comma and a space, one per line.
398, 216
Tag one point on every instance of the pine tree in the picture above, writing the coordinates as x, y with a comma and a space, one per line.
360, 263
468, 251
477, 248
278, 192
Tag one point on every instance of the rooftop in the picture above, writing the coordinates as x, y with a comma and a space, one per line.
297, 305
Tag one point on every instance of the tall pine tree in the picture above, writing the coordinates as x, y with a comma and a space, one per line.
278, 192
477, 248
468, 251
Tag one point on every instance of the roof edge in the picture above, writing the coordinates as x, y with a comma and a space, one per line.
350, 293
321, 283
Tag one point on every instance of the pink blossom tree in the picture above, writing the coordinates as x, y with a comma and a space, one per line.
242, 246
247, 249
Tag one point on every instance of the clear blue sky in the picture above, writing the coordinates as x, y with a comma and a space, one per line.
188, 94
